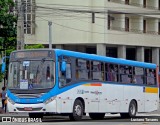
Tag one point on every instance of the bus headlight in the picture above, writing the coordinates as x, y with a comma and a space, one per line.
11, 101
50, 100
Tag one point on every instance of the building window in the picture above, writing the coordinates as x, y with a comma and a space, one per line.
126, 23
109, 22
127, 2
93, 17
29, 16
148, 55
144, 3
144, 26
111, 52
131, 53
159, 28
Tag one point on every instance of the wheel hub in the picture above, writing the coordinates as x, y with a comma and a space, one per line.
133, 109
78, 110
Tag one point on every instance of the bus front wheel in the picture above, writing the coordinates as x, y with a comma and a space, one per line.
77, 113
97, 116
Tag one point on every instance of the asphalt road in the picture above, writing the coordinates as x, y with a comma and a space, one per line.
152, 118
141, 118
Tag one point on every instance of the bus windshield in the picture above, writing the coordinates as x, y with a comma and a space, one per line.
31, 74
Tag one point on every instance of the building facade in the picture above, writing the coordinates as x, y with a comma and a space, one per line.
128, 29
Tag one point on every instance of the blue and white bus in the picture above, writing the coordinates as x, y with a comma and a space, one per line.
72, 83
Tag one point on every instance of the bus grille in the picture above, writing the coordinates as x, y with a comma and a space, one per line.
30, 96
33, 109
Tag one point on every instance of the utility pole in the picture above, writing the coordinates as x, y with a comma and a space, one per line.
20, 26
50, 34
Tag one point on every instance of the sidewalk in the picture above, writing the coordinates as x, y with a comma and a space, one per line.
1, 111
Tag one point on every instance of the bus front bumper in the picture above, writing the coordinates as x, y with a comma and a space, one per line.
40, 107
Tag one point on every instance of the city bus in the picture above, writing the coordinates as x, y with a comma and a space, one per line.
62, 82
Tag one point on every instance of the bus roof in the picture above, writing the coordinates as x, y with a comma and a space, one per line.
105, 59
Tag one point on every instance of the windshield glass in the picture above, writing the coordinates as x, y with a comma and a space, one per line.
31, 74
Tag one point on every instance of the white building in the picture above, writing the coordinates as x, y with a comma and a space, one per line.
118, 28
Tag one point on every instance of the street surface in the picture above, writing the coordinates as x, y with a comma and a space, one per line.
113, 119
109, 119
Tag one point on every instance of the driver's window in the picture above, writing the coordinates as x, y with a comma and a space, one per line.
10, 75
65, 77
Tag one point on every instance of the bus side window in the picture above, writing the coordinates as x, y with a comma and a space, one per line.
97, 70
125, 74
106, 72
68, 73
89, 69
151, 79
77, 75
111, 72
65, 77
82, 71
138, 73
48, 73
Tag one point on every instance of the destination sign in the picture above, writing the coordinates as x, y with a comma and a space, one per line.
32, 54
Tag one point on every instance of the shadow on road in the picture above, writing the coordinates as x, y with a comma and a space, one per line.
106, 119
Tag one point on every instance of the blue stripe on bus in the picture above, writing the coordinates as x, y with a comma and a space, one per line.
105, 59
55, 91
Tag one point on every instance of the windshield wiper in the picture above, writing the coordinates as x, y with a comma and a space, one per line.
43, 60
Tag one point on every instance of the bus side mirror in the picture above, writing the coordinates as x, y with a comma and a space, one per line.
3, 68
63, 66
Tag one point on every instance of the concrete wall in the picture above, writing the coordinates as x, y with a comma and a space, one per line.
72, 27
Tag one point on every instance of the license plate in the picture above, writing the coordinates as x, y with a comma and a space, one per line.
28, 108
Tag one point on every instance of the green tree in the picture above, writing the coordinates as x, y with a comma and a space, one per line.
8, 31
8, 23
37, 46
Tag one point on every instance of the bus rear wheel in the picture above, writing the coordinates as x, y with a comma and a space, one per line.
132, 111
97, 116
78, 111
35, 115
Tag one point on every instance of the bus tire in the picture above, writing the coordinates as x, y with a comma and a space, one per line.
78, 111
97, 116
35, 115
124, 115
131, 111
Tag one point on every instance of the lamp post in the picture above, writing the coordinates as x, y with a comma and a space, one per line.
50, 34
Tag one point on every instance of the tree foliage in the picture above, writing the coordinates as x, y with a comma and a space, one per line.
8, 28
37, 46
8, 23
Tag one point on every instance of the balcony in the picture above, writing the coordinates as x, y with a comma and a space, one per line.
136, 4
136, 31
